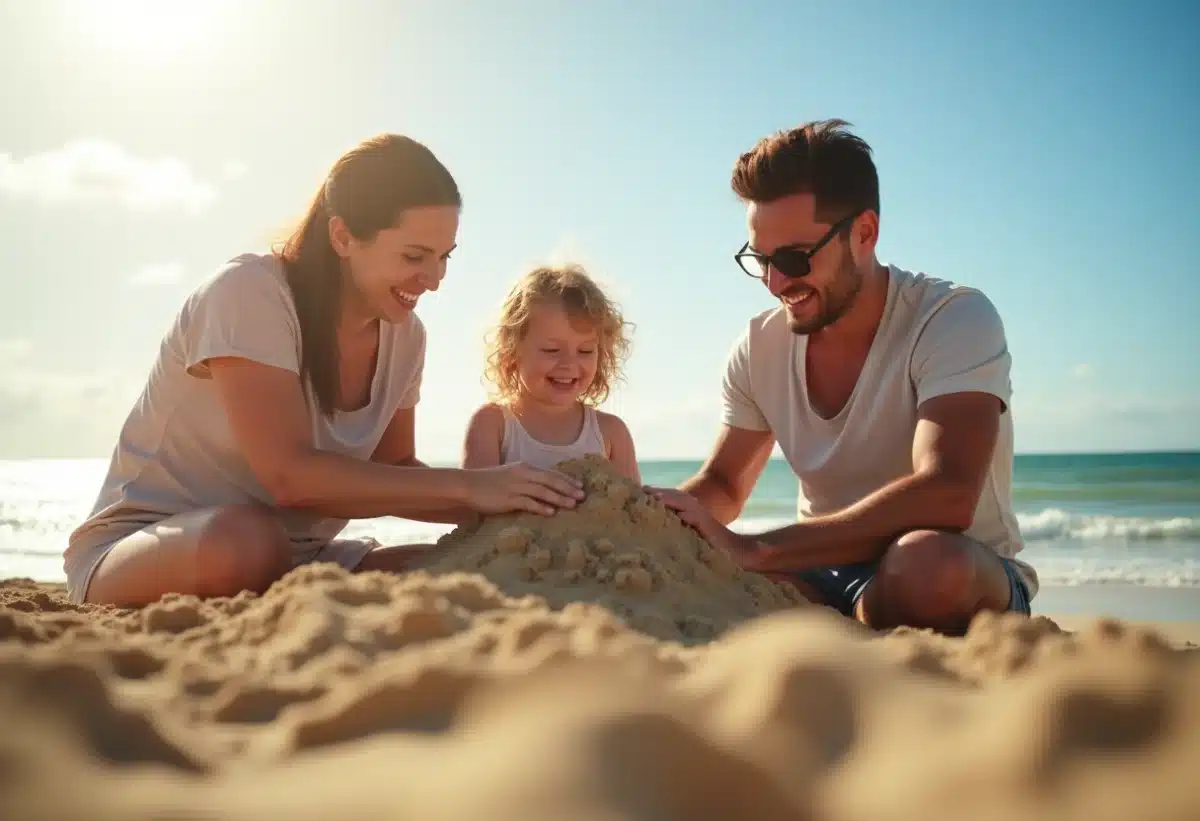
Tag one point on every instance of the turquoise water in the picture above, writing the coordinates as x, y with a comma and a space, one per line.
1123, 518
1090, 490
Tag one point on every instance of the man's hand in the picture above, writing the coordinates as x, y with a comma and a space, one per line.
744, 550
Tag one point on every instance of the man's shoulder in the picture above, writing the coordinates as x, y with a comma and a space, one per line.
772, 319
918, 288
921, 296
764, 335
767, 328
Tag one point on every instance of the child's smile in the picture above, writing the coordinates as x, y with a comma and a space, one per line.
558, 356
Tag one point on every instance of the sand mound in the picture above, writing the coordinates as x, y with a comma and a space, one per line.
622, 549
440, 696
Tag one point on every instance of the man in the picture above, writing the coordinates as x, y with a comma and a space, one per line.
888, 393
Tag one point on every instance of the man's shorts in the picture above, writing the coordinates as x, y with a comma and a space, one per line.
841, 586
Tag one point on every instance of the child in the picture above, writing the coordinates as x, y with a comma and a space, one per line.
556, 352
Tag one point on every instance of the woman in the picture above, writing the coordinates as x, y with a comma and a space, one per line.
282, 404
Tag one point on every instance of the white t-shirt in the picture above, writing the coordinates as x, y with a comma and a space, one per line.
935, 338
176, 451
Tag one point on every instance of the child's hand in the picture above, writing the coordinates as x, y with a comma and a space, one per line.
520, 487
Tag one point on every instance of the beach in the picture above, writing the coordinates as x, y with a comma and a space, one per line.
266, 263
606, 664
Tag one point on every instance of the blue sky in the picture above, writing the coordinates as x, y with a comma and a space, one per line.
1045, 155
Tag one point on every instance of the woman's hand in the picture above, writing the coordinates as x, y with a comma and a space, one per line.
521, 487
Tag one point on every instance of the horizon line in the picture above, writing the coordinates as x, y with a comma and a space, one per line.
775, 457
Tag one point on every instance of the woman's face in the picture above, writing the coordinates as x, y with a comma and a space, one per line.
390, 272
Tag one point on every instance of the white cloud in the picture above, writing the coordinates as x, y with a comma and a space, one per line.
165, 273
14, 350
56, 413
234, 170
96, 171
566, 249
1106, 405
1093, 421
569, 249
49, 414
669, 428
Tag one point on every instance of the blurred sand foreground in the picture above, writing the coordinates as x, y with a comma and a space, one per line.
604, 664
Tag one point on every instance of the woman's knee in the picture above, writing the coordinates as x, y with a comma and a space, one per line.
241, 547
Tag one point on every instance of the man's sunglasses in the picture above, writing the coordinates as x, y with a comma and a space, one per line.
790, 261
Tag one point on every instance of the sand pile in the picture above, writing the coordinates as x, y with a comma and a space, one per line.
440, 696
622, 549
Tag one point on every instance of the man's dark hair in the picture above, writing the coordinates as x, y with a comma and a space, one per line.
821, 158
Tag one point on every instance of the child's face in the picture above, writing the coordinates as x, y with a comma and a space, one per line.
556, 361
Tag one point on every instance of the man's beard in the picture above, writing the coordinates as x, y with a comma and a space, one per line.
832, 303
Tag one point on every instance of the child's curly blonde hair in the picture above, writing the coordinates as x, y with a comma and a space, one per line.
570, 287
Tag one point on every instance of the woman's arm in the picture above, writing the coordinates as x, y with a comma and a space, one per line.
619, 442
484, 438
269, 420
398, 447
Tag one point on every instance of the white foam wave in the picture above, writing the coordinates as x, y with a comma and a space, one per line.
1054, 524
1116, 575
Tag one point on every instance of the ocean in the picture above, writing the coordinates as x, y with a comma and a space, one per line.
1130, 518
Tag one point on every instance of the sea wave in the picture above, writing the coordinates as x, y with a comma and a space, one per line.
1036, 495
1051, 524
1077, 573
1054, 524
1066, 549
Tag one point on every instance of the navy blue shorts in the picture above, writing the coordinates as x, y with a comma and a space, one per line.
841, 586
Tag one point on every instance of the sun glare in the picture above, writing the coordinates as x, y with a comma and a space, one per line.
151, 30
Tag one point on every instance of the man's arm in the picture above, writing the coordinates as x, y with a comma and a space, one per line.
744, 442
726, 479
952, 452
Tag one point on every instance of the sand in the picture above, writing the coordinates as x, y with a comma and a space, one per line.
522, 675
621, 549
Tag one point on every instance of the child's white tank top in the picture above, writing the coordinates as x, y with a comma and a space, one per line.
519, 446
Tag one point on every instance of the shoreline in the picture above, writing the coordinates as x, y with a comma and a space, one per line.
1128, 602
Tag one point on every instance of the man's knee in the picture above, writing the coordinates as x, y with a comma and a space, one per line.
242, 547
936, 564
938, 579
